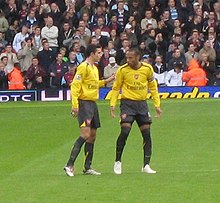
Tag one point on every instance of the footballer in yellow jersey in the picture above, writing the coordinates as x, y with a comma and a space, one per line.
86, 83
84, 93
133, 80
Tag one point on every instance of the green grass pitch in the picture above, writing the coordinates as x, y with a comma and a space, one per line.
36, 139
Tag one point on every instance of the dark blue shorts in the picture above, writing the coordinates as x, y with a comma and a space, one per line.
88, 114
135, 111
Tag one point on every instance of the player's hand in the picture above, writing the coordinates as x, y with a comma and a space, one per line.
111, 78
159, 112
112, 111
74, 112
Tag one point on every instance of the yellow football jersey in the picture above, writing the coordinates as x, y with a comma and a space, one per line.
85, 84
134, 84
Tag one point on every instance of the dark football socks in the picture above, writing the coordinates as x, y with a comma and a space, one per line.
121, 141
146, 145
75, 151
88, 155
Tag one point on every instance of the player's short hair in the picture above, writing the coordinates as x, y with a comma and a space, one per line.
91, 48
135, 51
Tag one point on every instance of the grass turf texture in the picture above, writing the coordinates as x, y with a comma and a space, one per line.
36, 139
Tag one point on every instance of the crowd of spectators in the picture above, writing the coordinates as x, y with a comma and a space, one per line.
43, 41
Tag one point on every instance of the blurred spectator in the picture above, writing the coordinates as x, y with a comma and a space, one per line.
99, 13
208, 67
35, 75
3, 42
11, 57
216, 8
175, 13
12, 31
195, 75
148, 20
132, 37
196, 39
104, 61
216, 80
72, 60
63, 52
194, 24
174, 76
3, 77
159, 70
177, 38
87, 31
66, 32
26, 53
15, 78
158, 46
44, 7
30, 20
45, 58
177, 58
110, 69
191, 53
11, 11
36, 37
143, 49
68, 76
103, 28
209, 50
56, 71
20, 37
136, 10
80, 56
211, 21
55, 14
114, 38
121, 13
87, 8
50, 32
70, 16
113, 24
120, 54
3, 22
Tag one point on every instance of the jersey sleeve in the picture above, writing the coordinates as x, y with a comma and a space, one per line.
101, 83
152, 85
116, 87
76, 85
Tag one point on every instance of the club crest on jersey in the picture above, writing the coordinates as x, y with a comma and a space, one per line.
78, 77
136, 76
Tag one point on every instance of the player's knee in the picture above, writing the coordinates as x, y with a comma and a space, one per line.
123, 134
146, 134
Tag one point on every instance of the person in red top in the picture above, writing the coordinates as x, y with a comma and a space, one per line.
195, 76
15, 78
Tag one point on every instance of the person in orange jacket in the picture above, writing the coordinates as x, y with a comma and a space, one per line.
195, 75
15, 78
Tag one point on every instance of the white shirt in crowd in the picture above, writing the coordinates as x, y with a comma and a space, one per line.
174, 79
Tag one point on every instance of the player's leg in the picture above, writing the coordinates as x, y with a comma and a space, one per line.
147, 143
144, 121
84, 118
90, 142
121, 140
127, 119
84, 135
89, 148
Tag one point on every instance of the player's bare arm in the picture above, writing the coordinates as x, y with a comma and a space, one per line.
112, 111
